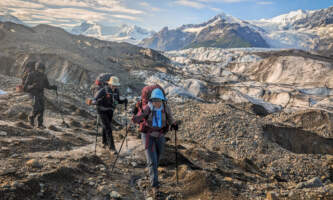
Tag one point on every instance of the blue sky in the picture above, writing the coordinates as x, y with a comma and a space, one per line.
152, 14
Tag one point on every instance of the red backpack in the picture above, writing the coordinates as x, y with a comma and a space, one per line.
145, 96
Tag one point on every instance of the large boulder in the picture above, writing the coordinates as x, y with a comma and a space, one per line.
196, 87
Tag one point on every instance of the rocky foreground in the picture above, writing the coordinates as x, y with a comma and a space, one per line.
225, 151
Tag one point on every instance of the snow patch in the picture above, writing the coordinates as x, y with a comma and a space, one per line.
197, 30
2, 92
87, 43
317, 91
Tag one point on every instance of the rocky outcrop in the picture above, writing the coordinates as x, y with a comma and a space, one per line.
318, 18
68, 58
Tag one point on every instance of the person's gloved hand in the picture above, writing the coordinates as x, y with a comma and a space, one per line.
89, 102
174, 126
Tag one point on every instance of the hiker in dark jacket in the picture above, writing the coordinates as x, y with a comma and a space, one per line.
106, 100
35, 84
156, 116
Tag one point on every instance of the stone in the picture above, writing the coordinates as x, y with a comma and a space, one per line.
34, 163
3, 133
259, 110
74, 123
229, 179
134, 164
103, 189
196, 87
15, 184
171, 197
251, 188
22, 116
150, 198
115, 194
312, 183
15, 155
22, 125
91, 183
4, 149
53, 128
291, 194
7, 171
271, 196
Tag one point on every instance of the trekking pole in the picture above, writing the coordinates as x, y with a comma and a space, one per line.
114, 163
97, 122
126, 126
176, 151
60, 111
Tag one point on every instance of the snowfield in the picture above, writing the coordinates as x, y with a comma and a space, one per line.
243, 75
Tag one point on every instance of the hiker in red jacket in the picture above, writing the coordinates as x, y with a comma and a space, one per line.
155, 118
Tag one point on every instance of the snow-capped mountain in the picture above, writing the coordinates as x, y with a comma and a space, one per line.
222, 31
282, 22
124, 33
298, 29
87, 28
10, 18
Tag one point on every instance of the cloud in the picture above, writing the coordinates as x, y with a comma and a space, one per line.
150, 7
265, 2
126, 17
36, 22
70, 11
216, 9
188, 3
55, 14
199, 4
100, 5
19, 4
222, 1
63, 3
118, 9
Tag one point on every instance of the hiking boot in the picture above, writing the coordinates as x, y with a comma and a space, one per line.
113, 151
155, 192
41, 127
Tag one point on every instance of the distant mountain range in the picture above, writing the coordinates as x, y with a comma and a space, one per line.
10, 18
69, 58
310, 30
124, 33
222, 31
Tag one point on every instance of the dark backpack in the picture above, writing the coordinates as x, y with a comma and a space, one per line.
27, 69
101, 80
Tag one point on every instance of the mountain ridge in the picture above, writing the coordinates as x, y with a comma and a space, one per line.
123, 33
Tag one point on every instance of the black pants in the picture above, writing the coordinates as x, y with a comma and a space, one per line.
37, 108
106, 120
